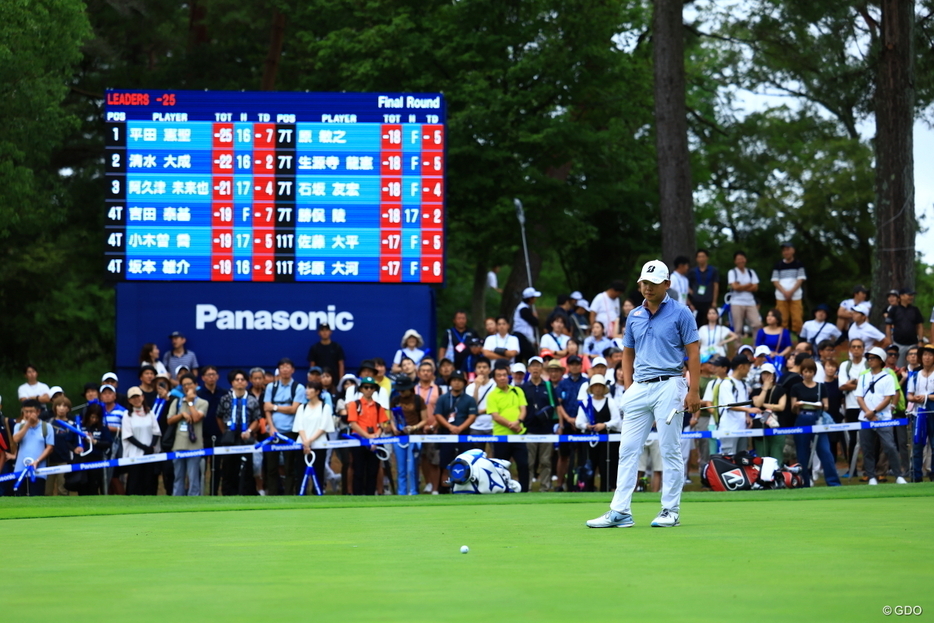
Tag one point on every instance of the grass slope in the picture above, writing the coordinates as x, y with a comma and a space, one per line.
813, 555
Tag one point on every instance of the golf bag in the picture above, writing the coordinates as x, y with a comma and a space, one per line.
744, 473
473, 472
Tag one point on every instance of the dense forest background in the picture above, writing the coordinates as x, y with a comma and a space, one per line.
550, 101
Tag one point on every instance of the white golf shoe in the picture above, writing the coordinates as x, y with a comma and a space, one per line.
666, 519
611, 519
873, 481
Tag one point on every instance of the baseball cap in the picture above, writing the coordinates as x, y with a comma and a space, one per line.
555, 363
518, 367
134, 391
721, 362
762, 350
596, 379
706, 357
767, 367
744, 348
861, 308
788, 243
576, 295
598, 361
174, 334
547, 353
109, 376
284, 361
530, 293
822, 307
890, 349
457, 375
110, 387
655, 271
178, 369
892, 291
860, 288
572, 359
55, 389
93, 386
536, 360
314, 369
739, 360
369, 380
583, 304
875, 351
474, 341
907, 291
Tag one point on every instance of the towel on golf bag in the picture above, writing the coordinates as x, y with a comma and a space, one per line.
743, 472
473, 472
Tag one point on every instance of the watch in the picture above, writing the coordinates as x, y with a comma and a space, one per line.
191, 404
275, 408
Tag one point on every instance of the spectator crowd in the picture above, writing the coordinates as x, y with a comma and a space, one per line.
525, 374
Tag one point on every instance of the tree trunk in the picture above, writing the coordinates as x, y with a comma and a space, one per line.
478, 301
271, 67
676, 203
894, 262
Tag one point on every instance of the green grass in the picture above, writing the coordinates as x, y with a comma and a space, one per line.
810, 555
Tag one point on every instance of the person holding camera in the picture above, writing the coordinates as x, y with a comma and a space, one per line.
187, 415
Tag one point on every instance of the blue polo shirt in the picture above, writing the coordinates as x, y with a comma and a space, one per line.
33, 444
283, 397
567, 392
659, 339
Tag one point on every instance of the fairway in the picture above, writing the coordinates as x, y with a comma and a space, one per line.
811, 555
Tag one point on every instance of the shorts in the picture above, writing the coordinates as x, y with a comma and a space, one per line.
431, 452
651, 458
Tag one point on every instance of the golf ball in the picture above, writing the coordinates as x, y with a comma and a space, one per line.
464, 549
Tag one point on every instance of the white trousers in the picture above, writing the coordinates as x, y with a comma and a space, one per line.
643, 405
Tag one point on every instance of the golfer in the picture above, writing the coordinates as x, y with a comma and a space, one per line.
659, 335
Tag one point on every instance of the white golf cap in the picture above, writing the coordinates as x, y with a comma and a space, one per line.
598, 361
536, 360
530, 293
762, 351
583, 304
767, 367
596, 379
744, 348
518, 367
576, 295
109, 376
878, 352
655, 271
55, 389
862, 308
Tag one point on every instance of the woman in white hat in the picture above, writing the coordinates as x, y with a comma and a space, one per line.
599, 415
771, 399
411, 347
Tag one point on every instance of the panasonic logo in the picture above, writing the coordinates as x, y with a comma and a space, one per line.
262, 320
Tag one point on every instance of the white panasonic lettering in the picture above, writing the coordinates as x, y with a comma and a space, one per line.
209, 316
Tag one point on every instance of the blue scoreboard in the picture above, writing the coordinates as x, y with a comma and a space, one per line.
275, 187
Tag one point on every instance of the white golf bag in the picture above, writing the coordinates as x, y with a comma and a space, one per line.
473, 472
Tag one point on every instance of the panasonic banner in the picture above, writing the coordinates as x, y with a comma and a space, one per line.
242, 325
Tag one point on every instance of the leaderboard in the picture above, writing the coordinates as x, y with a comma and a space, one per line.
275, 187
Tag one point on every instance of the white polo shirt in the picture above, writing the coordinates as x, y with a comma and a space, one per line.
743, 277
848, 372
873, 389
815, 332
867, 333
510, 342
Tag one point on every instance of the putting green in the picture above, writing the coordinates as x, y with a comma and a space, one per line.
813, 555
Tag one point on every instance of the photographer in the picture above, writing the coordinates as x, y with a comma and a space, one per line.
187, 415
366, 417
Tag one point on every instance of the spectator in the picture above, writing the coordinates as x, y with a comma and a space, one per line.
769, 399
313, 421
507, 406
326, 353
258, 391
454, 414
563, 309
573, 351
315, 375
328, 389
475, 347
597, 342
147, 384
525, 318
430, 455
847, 379
875, 393
149, 356
776, 338
753, 380
502, 345
457, 340
517, 372
921, 394
35, 440
580, 320
557, 339
281, 403
818, 329
743, 282
808, 402
238, 416
845, 311
862, 330
415, 414
445, 369
624, 315
366, 417
489, 326
113, 419
540, 419
568, 390
384, 382
737, 418
805, 347
110, 378
93, 424
599, 367
679, 279
603, 410
187, 415
67, 444
788, 276
714, 336
892, 301
492, 281
412, 343
160, 409
212, 393
140, 432
33, 389
904, 325
704, 283
480, 390
179, 356
605, 308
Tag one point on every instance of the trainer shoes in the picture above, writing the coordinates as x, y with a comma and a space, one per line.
611, 519
872, 481
901, 481
666, 519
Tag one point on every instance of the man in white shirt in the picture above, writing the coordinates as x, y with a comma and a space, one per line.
479, 390
524, 319
679, 279
847, 378
501, 345
33, 388
491, 280
861, 329
743, 282
875, 393
605, 308
557, 340
845, 311
730, 390
921, 395
817, 330
788, 277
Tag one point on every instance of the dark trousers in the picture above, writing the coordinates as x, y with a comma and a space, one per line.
237, 475
518, 453
27, 488
139, 480
917, 450
599, 455
95, 483
365, 469
294, 467
850, 416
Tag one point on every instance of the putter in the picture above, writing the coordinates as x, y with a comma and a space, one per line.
677, 410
